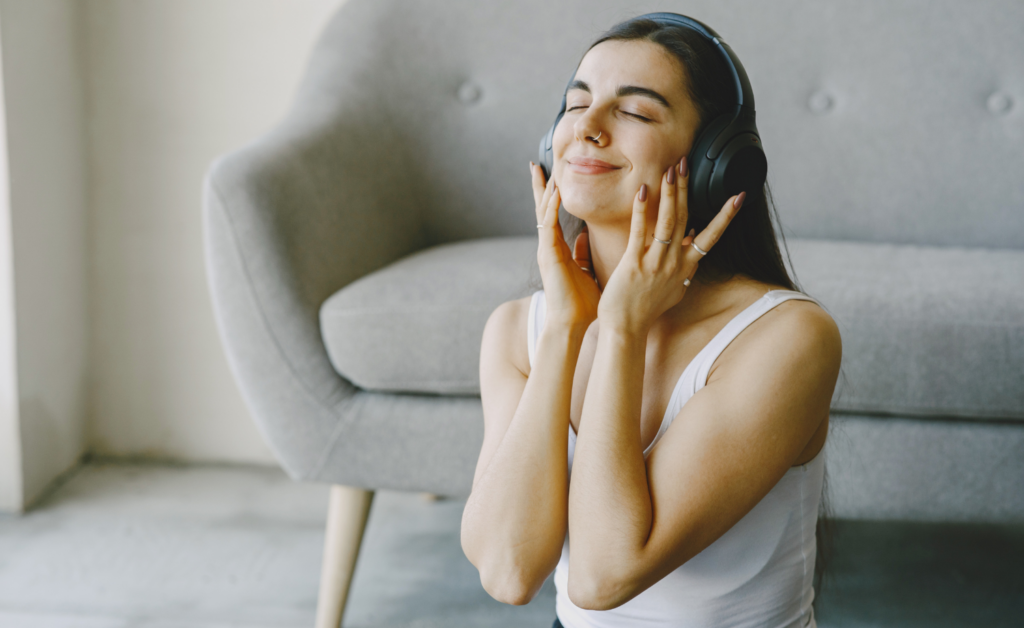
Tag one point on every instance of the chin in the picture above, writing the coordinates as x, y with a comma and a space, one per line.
590, 201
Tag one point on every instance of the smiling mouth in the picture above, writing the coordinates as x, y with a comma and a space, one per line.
586, 165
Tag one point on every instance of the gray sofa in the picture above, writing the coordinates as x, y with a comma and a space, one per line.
355, 251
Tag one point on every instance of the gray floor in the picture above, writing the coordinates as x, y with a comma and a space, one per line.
153, 546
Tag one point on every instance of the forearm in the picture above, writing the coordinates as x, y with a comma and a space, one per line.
610, 510
515, 520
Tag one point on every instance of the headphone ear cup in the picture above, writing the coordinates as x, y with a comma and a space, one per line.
741, 166
546, 153
701, 170
544, 158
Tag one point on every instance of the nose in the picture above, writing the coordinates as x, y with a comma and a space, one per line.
588, 129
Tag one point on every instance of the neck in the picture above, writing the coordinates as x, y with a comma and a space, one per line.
701, 300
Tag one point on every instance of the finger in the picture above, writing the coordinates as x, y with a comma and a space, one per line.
638, 224
544, 198
689, 265
666, 224
581, 251
707, 238
682, 197
550, 218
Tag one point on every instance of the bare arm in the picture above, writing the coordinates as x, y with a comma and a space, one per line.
515, 520
516, 517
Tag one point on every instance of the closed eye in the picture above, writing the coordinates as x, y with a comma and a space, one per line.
635, 115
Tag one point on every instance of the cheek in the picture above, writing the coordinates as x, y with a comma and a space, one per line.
562, 138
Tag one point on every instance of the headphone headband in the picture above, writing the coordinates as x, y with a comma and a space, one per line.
744, 94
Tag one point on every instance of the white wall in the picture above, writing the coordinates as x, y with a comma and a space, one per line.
173, 84
11, 494
43, 93
114, 109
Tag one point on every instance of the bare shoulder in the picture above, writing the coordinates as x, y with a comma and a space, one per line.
806, 326
505, 335
796, 333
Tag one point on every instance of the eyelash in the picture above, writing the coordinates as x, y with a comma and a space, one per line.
635, 115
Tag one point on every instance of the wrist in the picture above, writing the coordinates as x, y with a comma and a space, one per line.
569, 330
625, 334
623, 327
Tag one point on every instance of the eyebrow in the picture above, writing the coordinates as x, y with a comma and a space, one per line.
626, 90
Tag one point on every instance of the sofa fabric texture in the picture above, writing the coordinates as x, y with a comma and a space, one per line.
892, 129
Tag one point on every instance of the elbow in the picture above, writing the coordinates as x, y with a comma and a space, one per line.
509, 587
597, 592
501, 579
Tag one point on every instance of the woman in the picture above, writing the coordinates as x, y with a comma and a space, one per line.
692, 415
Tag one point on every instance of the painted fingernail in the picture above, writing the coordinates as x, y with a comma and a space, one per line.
739, 200
684, 167
643, 192
693, 232
671, 176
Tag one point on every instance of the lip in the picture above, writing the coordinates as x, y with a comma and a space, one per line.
589, 165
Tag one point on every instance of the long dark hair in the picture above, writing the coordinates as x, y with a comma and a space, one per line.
750, 246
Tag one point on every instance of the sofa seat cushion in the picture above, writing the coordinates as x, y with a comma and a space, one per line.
417, 324
926, 330
929, 331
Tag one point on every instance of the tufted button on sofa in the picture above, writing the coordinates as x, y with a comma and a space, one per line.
356, 250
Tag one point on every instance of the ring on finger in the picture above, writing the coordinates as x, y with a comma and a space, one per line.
669, 241
698, 249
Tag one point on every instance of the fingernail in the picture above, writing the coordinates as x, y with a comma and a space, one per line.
739, 200
683, 166
671, 176
643, 192
693, 232
531, 167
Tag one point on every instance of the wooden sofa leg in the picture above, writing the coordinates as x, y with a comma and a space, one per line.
346, 519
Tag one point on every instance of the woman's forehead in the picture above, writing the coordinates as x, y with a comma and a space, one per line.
610, 64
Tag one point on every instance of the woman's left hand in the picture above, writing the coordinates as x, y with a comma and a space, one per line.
650, 279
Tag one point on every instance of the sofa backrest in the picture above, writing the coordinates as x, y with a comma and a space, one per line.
883, 120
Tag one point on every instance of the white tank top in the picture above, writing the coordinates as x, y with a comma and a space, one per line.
759, 573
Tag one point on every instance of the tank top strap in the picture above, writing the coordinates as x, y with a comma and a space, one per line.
707, 356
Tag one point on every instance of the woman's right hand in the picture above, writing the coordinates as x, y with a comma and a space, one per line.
571, 293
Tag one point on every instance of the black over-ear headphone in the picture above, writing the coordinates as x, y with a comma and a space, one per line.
727, 157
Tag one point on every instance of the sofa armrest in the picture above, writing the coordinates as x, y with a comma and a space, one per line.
289, 220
